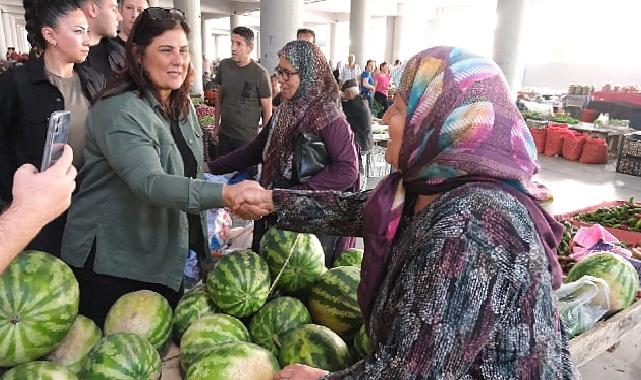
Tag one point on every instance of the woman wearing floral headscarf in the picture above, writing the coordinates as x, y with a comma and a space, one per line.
311, 104
459, 268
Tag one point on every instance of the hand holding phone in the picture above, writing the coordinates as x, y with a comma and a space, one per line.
57, 136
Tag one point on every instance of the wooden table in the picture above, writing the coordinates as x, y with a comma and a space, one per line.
605, 334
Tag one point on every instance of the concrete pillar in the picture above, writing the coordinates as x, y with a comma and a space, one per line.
397, 40
193, 15
14, 35
207, 39
234, 21
19, 37
333, 46
6, 27
3, 38
508, 36
359, 18
279, 20
389, 40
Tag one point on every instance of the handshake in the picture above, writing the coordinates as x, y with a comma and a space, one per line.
248, 200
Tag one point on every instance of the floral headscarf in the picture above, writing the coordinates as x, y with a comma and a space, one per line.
314, 106
461, 126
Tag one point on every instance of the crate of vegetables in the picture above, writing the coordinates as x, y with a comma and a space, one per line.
621, 218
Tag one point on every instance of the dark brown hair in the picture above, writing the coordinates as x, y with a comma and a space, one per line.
134, 78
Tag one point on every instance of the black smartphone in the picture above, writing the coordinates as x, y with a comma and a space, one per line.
57, 136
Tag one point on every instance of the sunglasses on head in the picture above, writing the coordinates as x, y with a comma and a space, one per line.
158, 13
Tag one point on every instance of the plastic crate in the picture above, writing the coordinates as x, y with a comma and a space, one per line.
536, 124
630, 155
376, 164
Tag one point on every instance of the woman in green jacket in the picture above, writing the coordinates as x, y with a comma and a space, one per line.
139, 208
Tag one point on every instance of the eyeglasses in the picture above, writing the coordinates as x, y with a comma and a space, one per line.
158, 13
284, 74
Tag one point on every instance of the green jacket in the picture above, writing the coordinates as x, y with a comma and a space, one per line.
133, 197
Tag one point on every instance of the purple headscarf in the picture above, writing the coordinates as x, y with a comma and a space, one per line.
461, 127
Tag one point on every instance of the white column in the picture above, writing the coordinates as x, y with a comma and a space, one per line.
19, 39
154, 3
207, 39
333, 46
6, 27
359, 18
4, 42
193, 15
508, 52
279, 20
234, 21
397, 44
14, 35
389, 40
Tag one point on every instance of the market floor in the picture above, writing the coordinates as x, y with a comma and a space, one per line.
575, 186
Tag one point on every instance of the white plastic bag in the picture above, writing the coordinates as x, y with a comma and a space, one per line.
582, 303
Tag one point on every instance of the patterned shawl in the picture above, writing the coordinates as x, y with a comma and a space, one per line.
314, 106
461, 127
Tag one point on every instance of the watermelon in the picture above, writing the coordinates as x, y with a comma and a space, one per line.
315, 346
207, 332
145, 313
38, 304
620, 275
39, 371
193, 305
72, 352
239, 284
349, 257
275, 318
332, 301
122, 356
362, 344
235, 361
306, 263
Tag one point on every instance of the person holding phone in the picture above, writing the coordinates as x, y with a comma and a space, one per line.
140, 205
38, 198
32, 92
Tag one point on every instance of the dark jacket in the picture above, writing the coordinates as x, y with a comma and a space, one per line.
359, 119
27, 99
105, 59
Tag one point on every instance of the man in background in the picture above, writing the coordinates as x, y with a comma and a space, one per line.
129, 10
305, 34
359, 118
350, 71
244, 94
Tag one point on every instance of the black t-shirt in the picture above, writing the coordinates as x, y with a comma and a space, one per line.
189, 161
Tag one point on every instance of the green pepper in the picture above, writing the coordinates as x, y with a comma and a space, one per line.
637, 225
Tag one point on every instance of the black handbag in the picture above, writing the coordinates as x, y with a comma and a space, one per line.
310, 156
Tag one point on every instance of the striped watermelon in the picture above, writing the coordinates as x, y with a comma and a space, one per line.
207, 332
275, 318
620, 275
362, 344
122, 356
72, 352
38, 304
332, 301
315, 346
145, 313
239, 283
352, 256
235, 361
306, 264
39, 371
193, 305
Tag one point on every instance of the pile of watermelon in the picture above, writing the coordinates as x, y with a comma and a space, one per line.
255, 314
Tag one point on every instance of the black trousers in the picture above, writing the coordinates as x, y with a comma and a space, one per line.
99, 292
227, 144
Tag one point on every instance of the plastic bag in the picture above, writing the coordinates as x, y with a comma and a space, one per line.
595, 151
539, 135
554, 140
582, 303
573, 145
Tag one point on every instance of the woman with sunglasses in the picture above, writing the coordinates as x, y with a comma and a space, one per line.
139, 209
310, 103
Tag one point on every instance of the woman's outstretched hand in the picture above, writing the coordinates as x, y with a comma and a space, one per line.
248, 200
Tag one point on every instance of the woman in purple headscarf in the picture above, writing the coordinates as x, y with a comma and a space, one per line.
459, 269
